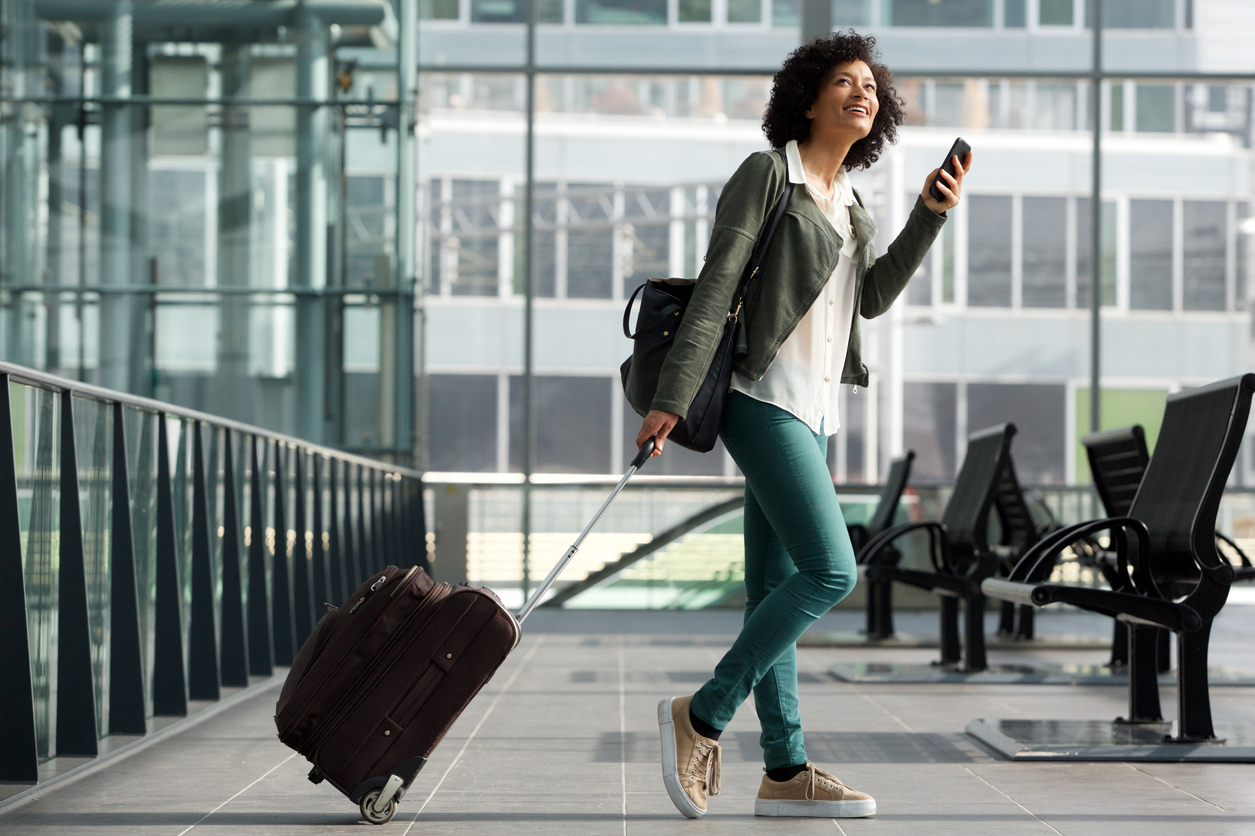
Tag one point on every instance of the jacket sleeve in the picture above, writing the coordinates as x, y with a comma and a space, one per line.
743, 205
891, 273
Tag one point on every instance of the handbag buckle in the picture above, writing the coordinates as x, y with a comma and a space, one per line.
732, 316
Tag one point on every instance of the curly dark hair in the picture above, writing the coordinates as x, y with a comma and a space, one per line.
796, 86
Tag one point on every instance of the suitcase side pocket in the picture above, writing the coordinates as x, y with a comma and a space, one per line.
413, 700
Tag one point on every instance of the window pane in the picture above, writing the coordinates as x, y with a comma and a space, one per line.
1084, 237
1055, 12
745, 11
1045, 252
590, 241
928, 417
1205, 228
786, 12
989, 251
850, 13
1137, 14
572, 424
1056, 107
462, 422
941, 12
1038, 413
693, 11
514, 11
438, 9
1156, 108
1013, 14
1150, 255
634, 12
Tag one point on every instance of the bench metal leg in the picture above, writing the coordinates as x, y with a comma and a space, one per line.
1144, 707
1119, 645
1193, 698
1027, 615
951, 651
974, 634
880, 610
1006, 623
1164, 654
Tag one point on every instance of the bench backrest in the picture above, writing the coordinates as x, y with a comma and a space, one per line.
1117, 461
1180, 493
891, 496
1016, 521
967, 513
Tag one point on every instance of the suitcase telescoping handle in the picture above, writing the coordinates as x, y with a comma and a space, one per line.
641, 457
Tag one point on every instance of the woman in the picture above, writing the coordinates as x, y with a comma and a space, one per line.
832, 109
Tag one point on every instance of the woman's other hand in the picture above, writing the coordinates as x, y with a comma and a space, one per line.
951, 187
657, 423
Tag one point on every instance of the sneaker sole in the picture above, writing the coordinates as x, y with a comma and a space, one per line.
853, 809
670, 764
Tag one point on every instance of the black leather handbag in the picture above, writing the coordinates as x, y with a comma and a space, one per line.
663, 302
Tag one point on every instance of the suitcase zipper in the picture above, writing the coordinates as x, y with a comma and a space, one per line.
344, 708
377, 585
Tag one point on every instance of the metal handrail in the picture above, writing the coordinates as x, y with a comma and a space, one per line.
50, 381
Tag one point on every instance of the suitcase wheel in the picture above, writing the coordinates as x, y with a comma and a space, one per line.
371, 814
375, 809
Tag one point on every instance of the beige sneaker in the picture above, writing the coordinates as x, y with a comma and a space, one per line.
690, 762
814, 793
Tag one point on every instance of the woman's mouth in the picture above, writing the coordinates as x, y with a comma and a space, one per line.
858, 109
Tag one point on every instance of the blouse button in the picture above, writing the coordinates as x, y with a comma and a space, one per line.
827, 378
832, 301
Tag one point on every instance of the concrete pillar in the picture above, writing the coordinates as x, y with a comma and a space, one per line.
141, 359
313, 124
235, 203
115, 191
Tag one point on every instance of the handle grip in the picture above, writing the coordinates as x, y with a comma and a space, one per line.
647, 449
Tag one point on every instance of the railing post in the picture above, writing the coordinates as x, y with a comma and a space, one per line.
335, 541
300, 552
260, 652
169, 683
281, 580
202, 650
351, 577
233, 640
318, 554
19, 757
126, 649
364, 538
76, 692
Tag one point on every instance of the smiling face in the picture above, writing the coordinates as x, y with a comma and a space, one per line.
846, 102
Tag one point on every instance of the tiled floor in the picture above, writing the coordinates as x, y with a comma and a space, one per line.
564, 741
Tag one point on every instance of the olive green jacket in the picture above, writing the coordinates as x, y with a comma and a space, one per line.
794, 271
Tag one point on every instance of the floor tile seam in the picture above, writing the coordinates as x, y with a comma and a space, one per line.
139, 745
251, 784
483, 718
1138, 769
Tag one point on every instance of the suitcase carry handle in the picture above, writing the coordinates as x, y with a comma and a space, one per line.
642, 456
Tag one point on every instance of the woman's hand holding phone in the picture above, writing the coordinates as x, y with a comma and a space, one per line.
949, 186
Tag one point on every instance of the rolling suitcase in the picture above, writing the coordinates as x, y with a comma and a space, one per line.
378, 684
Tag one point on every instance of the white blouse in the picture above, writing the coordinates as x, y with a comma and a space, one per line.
805, 376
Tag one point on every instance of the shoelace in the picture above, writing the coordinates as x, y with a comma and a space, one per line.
712, 755
815, 775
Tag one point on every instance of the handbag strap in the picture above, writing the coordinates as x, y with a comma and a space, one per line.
764, 242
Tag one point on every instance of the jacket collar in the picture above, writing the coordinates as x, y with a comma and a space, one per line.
843, 193
864, 227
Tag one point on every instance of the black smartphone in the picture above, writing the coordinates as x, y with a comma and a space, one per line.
959, 149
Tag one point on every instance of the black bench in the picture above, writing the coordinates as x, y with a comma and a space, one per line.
1169, 572
880, 593
1018, 532
1117, 461
958, 548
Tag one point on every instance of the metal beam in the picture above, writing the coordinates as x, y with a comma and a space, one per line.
169, 682
115, 189
260, 646
204, 676
281, 574
233, 641
126, 647
19, 759
1095, 255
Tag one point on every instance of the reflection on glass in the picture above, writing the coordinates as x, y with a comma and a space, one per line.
36, 431
93, 441
1206, 227
632, 12
1150, 255
141, 451
989, 251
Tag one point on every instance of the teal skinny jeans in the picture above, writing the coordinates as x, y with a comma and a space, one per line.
799, 562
